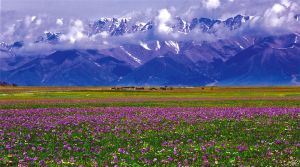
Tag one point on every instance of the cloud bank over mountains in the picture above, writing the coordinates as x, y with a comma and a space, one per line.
266, 17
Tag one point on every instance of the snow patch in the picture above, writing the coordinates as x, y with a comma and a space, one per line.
246, 39
44, 78
243, 20
173, 45
144, 45
131, 56
296, 40
140, 23
157, 45
98, 65
239, 45
295, 79
213, 83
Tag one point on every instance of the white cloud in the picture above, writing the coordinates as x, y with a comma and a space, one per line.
211, 4
286, 3
280, 16
76, 32
59, 22
163, 18
33, 18
38, 22
273, 16
278, 8
104, 34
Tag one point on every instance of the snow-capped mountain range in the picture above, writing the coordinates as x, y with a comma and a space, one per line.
116, 27
105, 27
195, 52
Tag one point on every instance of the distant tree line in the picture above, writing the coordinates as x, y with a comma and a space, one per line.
2, 83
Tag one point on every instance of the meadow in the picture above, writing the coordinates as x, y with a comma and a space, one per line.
202, 126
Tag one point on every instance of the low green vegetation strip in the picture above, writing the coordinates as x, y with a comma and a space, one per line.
145, 94
223, 103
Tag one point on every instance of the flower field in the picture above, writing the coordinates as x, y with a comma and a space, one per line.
150, 136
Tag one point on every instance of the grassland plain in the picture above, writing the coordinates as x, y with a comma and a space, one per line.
212, 126
45, 97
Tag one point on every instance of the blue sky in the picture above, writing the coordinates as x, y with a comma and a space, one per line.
98, 8
91, 8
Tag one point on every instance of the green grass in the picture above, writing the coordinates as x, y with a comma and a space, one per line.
143, 94
35, 93
216, 97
